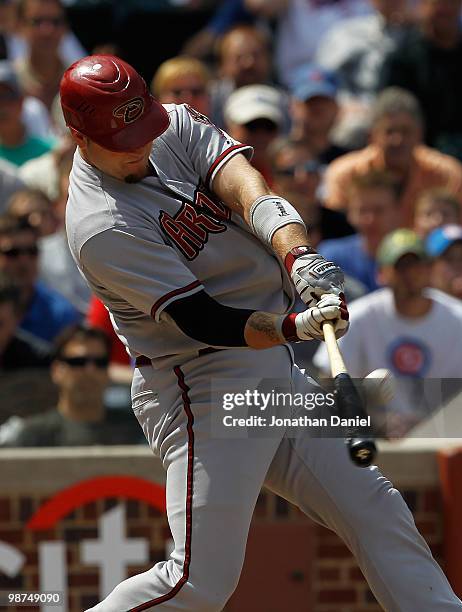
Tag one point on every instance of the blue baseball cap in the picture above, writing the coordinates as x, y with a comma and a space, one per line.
441, 238
310, 80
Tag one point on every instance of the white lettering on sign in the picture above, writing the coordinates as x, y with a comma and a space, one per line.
11, 559
52, 570
113, 552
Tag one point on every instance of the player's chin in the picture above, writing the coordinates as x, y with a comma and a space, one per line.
132, 178
136, 172
135, 175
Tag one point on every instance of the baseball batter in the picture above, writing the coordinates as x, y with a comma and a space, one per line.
197, 262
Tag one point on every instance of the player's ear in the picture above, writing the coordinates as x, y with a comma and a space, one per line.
79, 138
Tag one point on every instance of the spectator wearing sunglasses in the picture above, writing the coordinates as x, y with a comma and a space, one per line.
42, 24
297, 177
33, 207
44, 313
18, 350
14, 47
254, 116
182, 80
79, 369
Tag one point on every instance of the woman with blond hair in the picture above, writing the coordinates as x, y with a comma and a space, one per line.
181, 80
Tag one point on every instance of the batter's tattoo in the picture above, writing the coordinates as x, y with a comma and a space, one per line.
266, 323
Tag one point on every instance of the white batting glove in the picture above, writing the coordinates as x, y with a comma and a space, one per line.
330, 307
313, 275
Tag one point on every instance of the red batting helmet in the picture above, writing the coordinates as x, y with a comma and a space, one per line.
105, 99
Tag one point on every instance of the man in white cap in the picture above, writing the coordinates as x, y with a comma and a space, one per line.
254, 115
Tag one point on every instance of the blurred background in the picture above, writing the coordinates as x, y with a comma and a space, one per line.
353, 108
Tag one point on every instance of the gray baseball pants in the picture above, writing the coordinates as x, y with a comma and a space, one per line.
213, 484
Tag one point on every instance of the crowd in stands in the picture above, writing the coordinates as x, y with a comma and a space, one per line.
353, 108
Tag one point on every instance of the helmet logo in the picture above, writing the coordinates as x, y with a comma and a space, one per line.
129, 111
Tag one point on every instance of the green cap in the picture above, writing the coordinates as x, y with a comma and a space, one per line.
399, 243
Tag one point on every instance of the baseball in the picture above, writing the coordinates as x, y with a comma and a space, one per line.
379, 387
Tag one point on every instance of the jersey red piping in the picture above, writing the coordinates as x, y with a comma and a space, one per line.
189, 497
220, 158
171, 294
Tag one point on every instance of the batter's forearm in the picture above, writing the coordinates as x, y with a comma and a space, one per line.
289, 237
239, 185
201, 317
263, 330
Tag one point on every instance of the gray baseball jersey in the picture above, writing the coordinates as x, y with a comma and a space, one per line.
143, 245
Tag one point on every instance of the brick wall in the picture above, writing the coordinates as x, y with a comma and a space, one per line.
328, 580
337, 584
142, 521
340, 585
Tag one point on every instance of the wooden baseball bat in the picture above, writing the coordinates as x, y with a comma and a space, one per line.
362, 449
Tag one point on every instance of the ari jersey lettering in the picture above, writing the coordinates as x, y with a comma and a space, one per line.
189, 229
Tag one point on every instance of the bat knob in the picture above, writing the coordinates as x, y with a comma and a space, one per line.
362, 452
